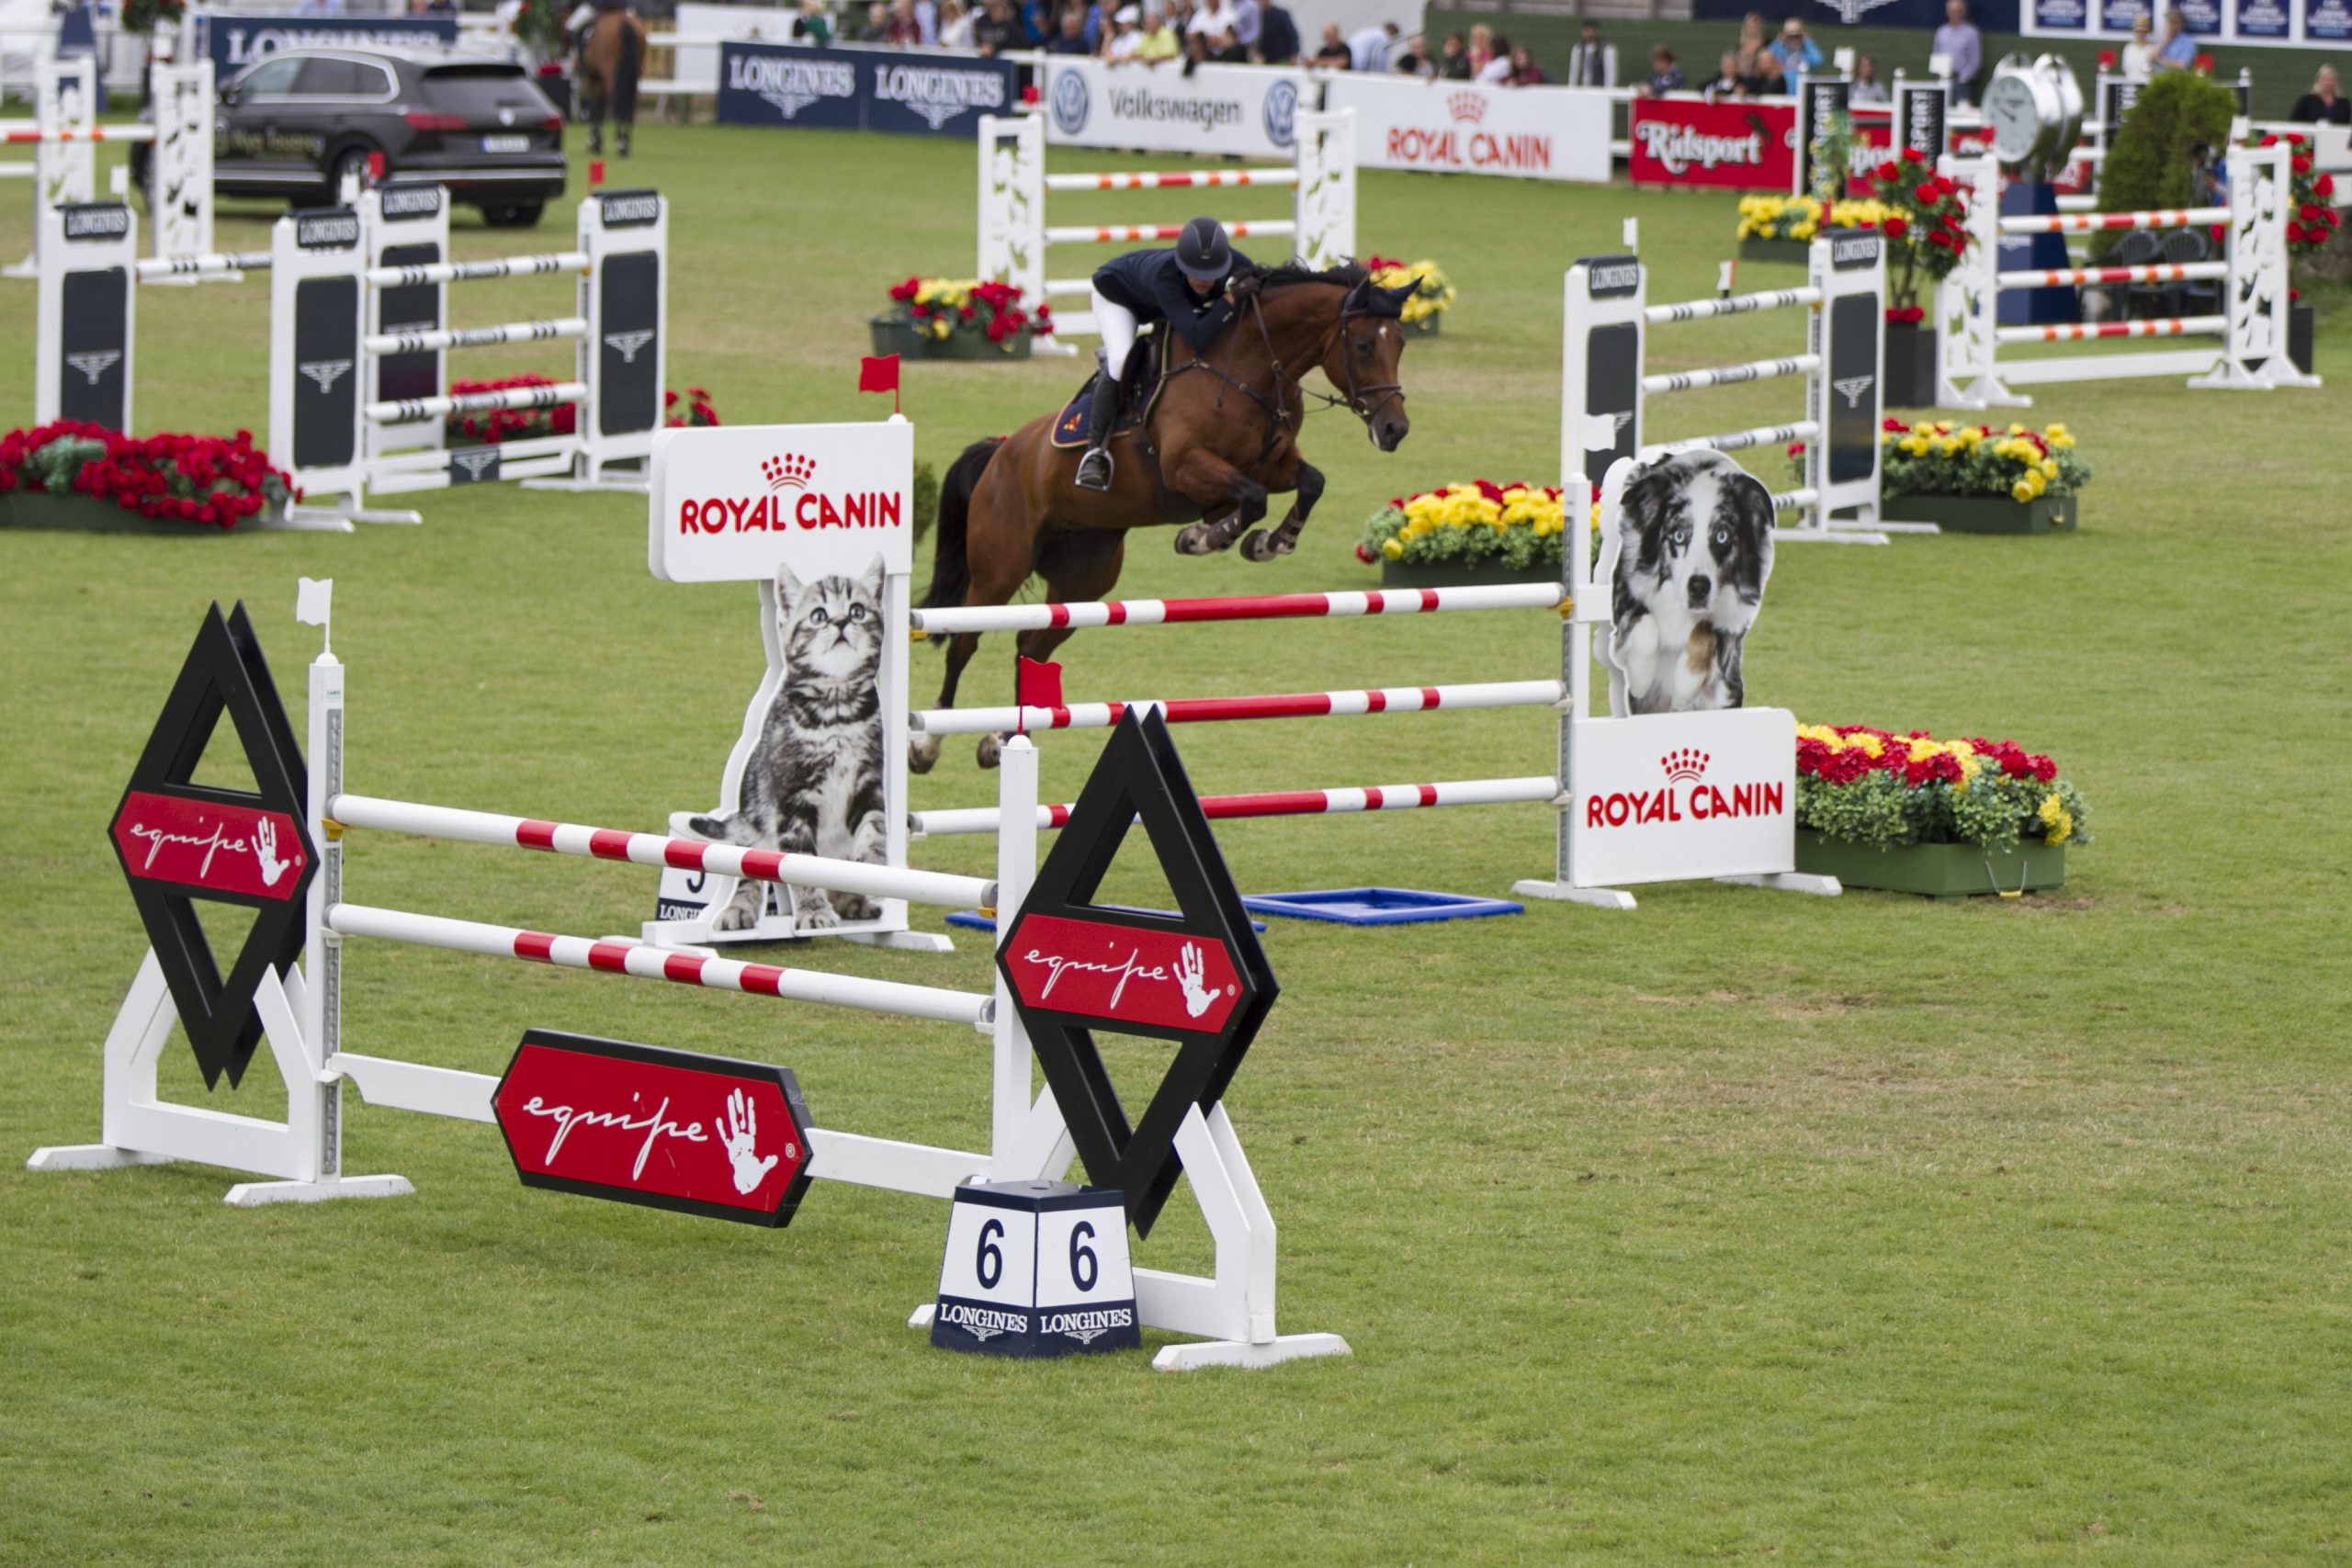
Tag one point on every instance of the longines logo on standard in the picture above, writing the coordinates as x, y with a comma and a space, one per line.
1846, 251
1613, 279
1685, 797
107, 221
410, 201
327, 232
776, 513
628, 209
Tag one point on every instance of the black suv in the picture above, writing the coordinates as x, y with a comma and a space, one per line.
295, 123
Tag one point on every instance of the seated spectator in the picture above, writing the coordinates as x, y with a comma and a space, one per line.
1037, 20
1126, 31
998, 29
1277, 35
1482, 49
1335, 53
900, 28
1524, 72
2140, 53
1454, 58
1728, 81
2179, 52
1368, 49
1759, 73
1070, 37
1412, 59
1795, 54
1592, 63
2323, 105
1157, 43
1248, 22
812, 26
1665, 76
1866, 88
1496, 73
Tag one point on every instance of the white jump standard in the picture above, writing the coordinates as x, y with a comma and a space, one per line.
2251, 288
301, 1158
1014, 235
1605, 385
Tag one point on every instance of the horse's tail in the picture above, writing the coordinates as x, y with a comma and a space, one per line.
631, 63
951, 573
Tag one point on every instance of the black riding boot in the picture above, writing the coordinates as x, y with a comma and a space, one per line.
1094, 468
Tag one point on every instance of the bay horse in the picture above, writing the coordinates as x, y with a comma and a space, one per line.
1219, 437
611, 59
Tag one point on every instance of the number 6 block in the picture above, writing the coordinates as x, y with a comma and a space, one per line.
1037, 1268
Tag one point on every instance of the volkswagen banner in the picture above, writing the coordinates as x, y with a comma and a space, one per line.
861, 89
1240, 110
1540, 133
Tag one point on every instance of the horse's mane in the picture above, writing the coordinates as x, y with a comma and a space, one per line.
1347, 274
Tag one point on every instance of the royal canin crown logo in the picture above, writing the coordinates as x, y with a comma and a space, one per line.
789, 471
1684, 763
1467, 108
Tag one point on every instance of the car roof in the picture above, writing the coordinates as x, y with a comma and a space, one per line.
396, 54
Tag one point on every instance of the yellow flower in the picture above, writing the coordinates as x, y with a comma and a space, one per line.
2017, 430
2048, 468
2060, 443
1394, 550
2022, 492
2055, 430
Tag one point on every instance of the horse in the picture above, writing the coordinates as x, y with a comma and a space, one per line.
1219, 437
612, 57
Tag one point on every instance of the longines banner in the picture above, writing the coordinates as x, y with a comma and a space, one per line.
2276, 22
861, 89
1543, 133
1243, 110
236, 42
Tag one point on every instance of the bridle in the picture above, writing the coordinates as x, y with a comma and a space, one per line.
1279, 413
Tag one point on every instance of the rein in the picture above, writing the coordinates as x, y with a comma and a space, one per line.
1279, 415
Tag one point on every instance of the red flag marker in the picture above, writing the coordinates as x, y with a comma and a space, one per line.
880, 376
1036, 683
595, 172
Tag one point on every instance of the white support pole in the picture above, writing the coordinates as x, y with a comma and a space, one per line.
65, 109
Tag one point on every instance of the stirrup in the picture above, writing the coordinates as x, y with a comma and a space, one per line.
1097, 461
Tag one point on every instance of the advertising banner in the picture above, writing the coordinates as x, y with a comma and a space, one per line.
2328, 20
844, 89
2061, 15
1547, 133
1669, 796
236, 42
2269, 19
1735, 146
2117, 16
2199, 18
732, 504
1240, 110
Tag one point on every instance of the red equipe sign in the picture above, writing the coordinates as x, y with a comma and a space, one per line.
1734, 146
1122, 975
700, 1134
236, 850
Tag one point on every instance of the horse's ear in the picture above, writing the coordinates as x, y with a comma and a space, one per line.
1399, 295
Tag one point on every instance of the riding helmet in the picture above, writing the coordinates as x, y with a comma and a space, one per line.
1202, 253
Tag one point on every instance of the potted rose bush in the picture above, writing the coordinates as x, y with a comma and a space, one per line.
1972, 479
71, 475
1926, 235
943, 318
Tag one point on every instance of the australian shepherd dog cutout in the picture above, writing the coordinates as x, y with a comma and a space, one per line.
1691, 551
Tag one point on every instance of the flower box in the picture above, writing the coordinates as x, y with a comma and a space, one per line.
1462, 573
1985, 513
1428, 326
1910, 381
897, 336
1433, 295
1934, 871
1793, 251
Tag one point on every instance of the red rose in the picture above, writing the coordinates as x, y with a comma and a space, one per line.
1896, 228
1363, 553
2043, 767
2324, 186
1927, 192
1913, 155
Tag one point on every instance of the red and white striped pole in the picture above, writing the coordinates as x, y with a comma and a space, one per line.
1213, 710
1245, 607
1283, 803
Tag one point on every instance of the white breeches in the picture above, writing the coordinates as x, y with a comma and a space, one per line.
1116, 324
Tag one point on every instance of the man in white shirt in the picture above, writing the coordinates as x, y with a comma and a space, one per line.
1369, 48
1210, 20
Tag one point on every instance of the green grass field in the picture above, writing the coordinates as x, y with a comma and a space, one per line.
1745, 1225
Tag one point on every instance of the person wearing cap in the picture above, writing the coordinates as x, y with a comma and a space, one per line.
1795, 52
1183, 290
1127, 32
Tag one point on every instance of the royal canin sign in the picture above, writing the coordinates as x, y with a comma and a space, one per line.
1731, 146
1665, 798
1686, 796
732, 503
1460, 127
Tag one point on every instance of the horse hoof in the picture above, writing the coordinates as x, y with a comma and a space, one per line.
921, 752
991, 748
1262, 546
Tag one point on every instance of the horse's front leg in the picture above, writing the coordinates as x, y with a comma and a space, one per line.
1262, 546
1229, 500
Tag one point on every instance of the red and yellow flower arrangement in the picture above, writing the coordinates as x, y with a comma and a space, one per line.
206, 480
940, 306
1476, 522
525, 424
1872, 787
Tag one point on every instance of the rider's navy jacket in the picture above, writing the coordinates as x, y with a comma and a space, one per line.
1150, 283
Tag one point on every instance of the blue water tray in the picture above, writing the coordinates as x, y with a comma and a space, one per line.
973, 920
1376, 905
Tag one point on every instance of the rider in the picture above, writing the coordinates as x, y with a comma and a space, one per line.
1183, 290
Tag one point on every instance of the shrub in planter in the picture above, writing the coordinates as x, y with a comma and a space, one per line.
1470, 531
1432, 296
928, 314
689, 409
202, 480
2151, 157
1920, 814
1972, 479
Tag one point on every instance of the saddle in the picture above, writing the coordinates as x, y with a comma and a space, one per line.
1147, 372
